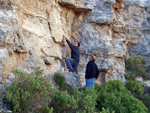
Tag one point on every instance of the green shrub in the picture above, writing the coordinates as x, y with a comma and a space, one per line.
59, 79
121, 103
140, 71
29, 92
132, 62
68, 99
114, 96
140, 60
130, 76
87, 100
106, 111
135, 87
83, 101
112, 87
67, 88
33, 93
136, 68
138, 90
146, 100
63, 102
129, 63
46, 109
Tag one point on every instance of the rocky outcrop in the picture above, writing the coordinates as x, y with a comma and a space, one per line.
141, 20
31, 35
96, 36
144, 82
72, 79
79, 5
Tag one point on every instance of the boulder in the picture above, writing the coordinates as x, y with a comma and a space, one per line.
72, 79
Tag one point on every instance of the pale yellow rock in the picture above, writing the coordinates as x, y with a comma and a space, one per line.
35, 25
12, 62
49, 60
55, 67
35, 7
54, 51
36, 43
56, 25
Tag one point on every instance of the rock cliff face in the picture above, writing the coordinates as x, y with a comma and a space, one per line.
31, 34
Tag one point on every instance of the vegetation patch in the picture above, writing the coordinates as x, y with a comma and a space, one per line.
29, 92
115, 97
32, 93
135, 67
59, 79
135, 87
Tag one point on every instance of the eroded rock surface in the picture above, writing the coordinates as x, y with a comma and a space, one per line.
31, 35
79, 5
72, 79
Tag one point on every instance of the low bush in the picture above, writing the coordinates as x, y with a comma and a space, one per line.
137, 90
121, 103
130, 76
141, 71
59, 79
136, 87
146, 100
136, 68
106, 111
46, 109
132, 62
29, 92
114, 96
87, 100
63, 102
112, 87
129, 63
81, 102
32, 93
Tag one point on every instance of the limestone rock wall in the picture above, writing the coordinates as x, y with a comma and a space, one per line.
31, 34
